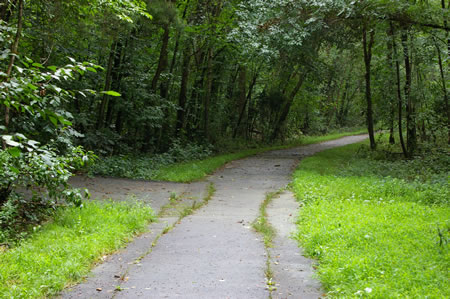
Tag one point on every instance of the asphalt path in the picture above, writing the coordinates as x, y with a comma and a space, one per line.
214, 253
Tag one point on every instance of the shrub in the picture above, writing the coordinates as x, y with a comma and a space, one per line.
34, 183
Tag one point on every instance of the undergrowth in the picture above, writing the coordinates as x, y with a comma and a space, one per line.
378, 228
188, 164
62, 251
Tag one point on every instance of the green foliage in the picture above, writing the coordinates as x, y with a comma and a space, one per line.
146, 167
34, 90
61, 252
211, 70
164, 167
34, 180
378, 229
33, 184
190, 163
198, 169
111, 93
125, 10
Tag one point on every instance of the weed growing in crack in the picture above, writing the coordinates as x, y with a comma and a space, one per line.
186, 211
173, 197
263, 226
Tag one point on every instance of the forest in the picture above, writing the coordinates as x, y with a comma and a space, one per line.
141, 88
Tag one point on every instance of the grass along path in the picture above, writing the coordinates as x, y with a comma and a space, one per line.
62, 252
195, 163
198, 169
217, 241
375, 235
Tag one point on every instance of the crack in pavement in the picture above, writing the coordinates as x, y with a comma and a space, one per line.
292, 273
215, 253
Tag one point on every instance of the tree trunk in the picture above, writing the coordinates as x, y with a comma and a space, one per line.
162, 65
175, 51
126, 56
163, 58
242, 97
182, 98
116, 78
108, 80
411, 138
399, 94
249, 100
446, 26
5, 192
208, 92
390, 89
194, 121
14, 52
232, 83
444, 89
287, 107
367, 45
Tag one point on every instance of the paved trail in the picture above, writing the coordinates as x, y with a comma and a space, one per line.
215, 253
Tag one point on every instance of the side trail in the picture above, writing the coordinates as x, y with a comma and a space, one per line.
214, 253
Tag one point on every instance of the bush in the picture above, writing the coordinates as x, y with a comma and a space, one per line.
34, 183
146, 167
35, 173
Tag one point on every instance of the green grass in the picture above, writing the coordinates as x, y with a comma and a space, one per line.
265, 228
379, 229
261, 224
198, 169
62, 251
316, 139
195, 170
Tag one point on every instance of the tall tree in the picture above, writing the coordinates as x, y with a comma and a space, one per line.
367, 47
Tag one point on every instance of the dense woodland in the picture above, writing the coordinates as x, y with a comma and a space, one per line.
117, 77
171, 90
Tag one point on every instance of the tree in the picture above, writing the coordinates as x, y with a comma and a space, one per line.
34, 104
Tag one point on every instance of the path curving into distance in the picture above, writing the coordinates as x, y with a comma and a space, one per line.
215, 253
